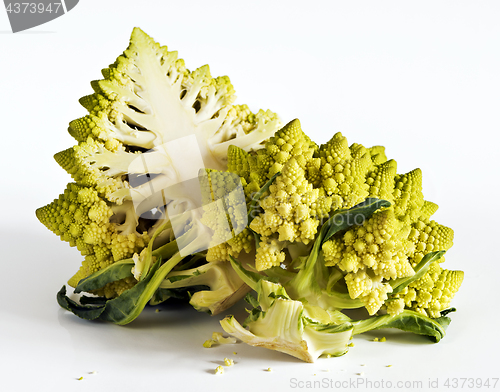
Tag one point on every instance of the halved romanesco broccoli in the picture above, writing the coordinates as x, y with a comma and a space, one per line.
180, 193
147, 99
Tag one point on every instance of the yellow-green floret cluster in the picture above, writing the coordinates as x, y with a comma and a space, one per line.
225, 213
433, 292
371, 255
313, 182
82, 218
390, 244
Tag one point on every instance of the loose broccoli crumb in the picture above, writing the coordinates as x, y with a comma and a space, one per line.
234, 353
375, 340
81, 378
219, 370
382, 339
350, 345
218, 338
228, 362
269, 369
389, 366
208, 343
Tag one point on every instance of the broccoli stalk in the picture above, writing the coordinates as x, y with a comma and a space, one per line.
225, 286
285, 325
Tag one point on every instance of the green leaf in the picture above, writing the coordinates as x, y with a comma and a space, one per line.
249, 277
121, 269
86, 312
160, 295
116, 271
256, 238
447, 311
257, 196
182, 294
84, 300
408, 321
251, 300
343, 219
399, 284
126, 307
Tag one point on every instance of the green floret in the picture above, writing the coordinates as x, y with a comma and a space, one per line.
287, 209
370, 255
433, 292
429, 236
82, 218
381, 180
227, 217
343, 175
287, 143
238, 162
408, 196
377, 154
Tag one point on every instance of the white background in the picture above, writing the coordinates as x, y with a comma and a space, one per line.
420, 77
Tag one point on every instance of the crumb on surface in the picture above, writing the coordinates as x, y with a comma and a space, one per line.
350, 344
375, 339
382, 339
269, 369
228, 362
81, 378
208, 343
219, 370
218, 338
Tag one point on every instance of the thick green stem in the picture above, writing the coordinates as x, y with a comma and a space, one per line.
407, 320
